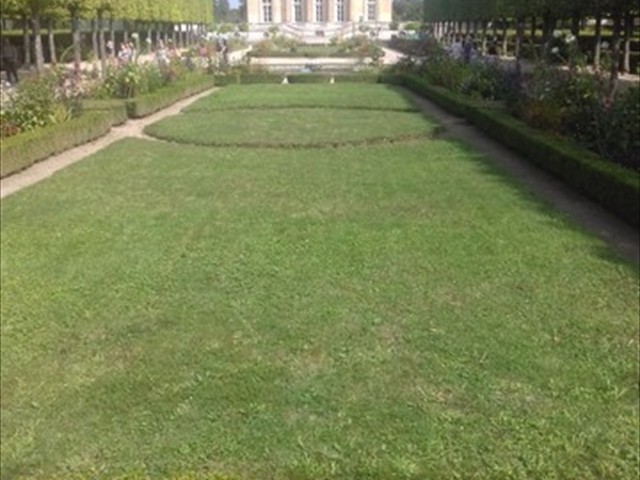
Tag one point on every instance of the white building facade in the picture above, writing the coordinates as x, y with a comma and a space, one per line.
318, 11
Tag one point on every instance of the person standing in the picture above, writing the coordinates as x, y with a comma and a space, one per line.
10, 61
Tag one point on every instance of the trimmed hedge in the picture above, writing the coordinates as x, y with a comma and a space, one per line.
303, 54
266, 77
23, 150
614, 187
145, 105
238, 78
116, 108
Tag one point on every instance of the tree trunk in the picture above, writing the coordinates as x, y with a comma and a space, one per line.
101, 45
628, 32
505, 37
485, 25
575, 23
549, 25
616, 15
37, 42
52, 42
598, 41
112, 32
519, 40
94, 39
26, 41
75, 33
534, 28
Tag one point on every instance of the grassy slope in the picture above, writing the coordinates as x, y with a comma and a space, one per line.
390, 312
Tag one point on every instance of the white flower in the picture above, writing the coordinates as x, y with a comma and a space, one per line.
570, 38
135, 35
605, 45
555, 50
557, 33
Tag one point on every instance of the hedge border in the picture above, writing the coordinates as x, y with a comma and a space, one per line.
23, 150
612, 186
145, 105
273, 78
117, 109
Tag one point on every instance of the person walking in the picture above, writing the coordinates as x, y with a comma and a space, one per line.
10, 61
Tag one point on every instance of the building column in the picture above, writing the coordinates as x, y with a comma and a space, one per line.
355, 10
309, 12
287, 11
330, 15
276, 11
384, 11
253, 11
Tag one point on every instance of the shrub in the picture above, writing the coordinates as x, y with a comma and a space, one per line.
40, 100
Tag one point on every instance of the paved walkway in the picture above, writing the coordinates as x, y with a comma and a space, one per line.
622, 238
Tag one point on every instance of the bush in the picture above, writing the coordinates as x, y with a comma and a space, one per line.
40, 100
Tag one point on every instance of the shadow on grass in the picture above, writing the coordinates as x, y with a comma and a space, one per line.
616, 242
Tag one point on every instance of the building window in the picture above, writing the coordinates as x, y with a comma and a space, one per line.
371, 10
267, 12
340, 11
319, 10
297, 10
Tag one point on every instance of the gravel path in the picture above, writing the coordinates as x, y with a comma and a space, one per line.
46, 168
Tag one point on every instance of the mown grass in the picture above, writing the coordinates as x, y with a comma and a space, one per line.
384, 312
291, 127
347, 96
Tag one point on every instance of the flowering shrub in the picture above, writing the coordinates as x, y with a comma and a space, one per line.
40, 100
132, 79
572, 102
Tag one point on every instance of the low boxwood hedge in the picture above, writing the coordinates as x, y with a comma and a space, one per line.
237, 78
614, 187
116, 108
144, 105
316, 77
23, 150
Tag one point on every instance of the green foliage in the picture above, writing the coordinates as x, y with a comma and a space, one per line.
133, 79
40, 100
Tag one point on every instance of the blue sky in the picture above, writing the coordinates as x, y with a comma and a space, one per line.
233, 3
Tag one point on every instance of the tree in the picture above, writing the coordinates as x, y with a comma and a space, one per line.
407, 10
222, 10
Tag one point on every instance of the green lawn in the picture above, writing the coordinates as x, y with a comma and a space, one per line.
291, 127
393, 311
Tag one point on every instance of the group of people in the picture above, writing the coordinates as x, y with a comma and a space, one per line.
463, 48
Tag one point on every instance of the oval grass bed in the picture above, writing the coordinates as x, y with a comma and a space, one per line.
346, 96
294, 127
